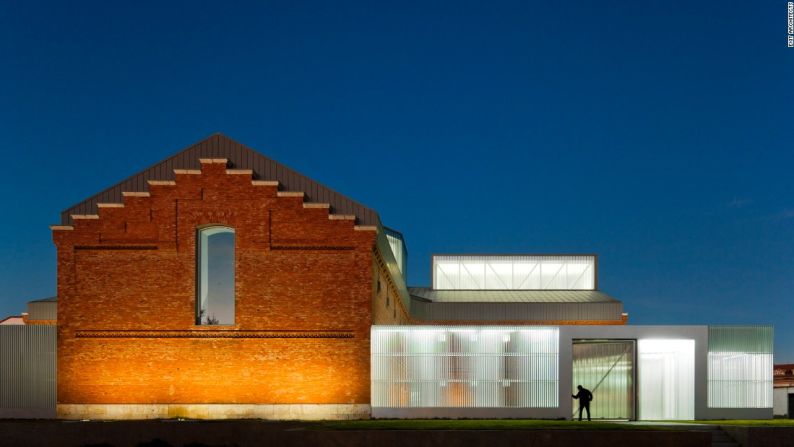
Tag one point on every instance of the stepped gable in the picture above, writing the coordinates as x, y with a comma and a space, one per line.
241, 158
147, 217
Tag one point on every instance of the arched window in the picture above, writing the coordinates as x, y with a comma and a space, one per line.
215, 300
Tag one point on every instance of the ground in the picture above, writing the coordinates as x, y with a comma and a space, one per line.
388, 433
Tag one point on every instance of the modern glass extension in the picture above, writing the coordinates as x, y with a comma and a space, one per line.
649, 374
465, 367
216, 262
564, 272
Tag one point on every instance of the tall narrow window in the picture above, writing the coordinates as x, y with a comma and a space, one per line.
215, 304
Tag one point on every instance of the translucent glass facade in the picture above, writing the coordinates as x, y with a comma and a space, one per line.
514, 272
606, 369
465, 366
666, 382
740, 367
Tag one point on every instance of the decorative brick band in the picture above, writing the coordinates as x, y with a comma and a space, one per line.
316, 205
116, 247
365, 228
240, 171
213, 160
290, 194
264, 182
312, 247
212, 334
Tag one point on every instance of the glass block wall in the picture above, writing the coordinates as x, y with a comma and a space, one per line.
465, 366
666, 379
514, 272
740, 367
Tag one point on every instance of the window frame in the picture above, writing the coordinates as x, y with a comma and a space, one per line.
200, 232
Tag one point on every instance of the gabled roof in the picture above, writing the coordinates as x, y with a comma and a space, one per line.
240, 157
13, 320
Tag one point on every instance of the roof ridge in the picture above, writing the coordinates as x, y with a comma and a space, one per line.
219, 145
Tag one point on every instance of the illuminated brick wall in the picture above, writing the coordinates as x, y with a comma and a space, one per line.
387, 307
127, 290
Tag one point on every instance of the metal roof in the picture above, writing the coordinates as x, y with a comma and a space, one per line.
450, 312
510, 296
240, 157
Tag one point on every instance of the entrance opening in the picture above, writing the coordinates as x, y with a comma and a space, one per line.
607, 369
790, 406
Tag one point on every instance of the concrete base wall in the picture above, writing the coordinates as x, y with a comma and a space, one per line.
465, 413
738, 413
27, 413
214, 411
780, 400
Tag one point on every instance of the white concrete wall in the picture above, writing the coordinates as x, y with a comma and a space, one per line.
781, 401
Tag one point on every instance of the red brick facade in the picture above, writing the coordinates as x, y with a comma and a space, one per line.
306, 285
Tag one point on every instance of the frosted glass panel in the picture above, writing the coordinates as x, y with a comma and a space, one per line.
398, 249
666, 379
740, 380
514, 272
740, 367
463, 366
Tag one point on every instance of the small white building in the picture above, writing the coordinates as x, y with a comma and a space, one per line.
784, 391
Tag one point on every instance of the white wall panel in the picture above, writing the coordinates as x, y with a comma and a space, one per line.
666, 379
465, 367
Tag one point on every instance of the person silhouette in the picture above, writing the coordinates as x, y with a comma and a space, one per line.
585, 396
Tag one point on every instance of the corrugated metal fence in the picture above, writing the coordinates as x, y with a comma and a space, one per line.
27, 371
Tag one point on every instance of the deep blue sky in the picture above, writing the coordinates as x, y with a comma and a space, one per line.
657, 134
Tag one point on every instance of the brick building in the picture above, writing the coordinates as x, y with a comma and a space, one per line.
784, 390
219, 283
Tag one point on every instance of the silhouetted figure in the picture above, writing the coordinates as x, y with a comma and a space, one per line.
585, 396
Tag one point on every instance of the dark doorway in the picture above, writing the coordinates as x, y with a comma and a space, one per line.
607, 369
790, 406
